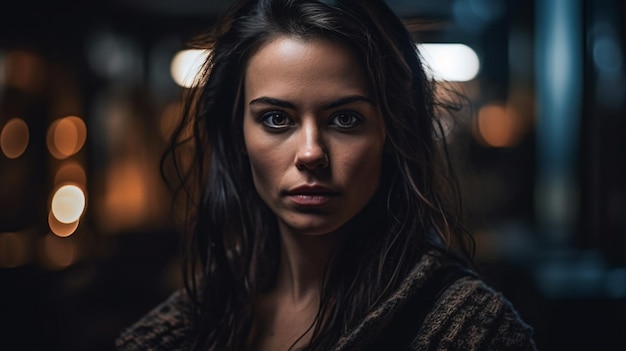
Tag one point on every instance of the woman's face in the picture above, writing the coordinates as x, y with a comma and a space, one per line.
313, 133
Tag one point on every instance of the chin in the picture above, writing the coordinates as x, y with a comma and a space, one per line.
314, 227
317, 230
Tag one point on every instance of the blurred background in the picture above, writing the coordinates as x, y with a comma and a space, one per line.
89, 94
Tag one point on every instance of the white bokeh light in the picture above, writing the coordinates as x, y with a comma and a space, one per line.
186, 65
68, 204
450, 62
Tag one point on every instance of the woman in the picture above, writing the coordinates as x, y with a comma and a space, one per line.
321, 221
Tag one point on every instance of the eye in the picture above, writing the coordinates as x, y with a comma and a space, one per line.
346, 119
276, 120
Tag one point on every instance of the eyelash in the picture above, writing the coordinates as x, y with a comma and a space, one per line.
355, 120
265, 119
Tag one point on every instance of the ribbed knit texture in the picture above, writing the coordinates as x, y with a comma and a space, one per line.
469, 315
166, 327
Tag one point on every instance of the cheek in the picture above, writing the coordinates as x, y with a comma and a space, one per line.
264, 163
362, 163
261, 168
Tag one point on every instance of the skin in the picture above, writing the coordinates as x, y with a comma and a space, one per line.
314, 138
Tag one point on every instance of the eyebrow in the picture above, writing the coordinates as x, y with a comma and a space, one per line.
333, 104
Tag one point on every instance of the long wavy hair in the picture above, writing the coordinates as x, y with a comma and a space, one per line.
231, 241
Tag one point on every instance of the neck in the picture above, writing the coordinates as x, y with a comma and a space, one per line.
302, 263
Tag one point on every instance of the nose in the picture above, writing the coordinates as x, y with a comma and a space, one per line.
311, 151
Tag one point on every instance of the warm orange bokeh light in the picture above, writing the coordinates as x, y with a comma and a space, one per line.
498, 126
61, 229
25, 70
13, 250
68, 203
71, 172
66, 136
127, 199
58, 253
14, 138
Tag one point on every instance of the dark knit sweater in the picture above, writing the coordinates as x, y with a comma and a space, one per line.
468, 315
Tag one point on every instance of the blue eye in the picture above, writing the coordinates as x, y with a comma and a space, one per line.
276, 120
346, 119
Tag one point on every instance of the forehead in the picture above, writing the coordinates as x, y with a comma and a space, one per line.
288, 63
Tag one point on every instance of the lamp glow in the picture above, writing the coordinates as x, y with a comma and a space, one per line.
68, 204
14, 138
186, 66
450, 62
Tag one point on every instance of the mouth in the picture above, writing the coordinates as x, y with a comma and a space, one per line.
311, 195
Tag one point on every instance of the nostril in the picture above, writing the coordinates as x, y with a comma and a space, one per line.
312, 161
325, 162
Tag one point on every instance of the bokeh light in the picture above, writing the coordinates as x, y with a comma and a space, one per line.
58, 253
450, 62
71, 172
66, 136
607, 54
186, 65
127, 200
14, 138
61, 229
498, 125
114, 56
68, 204
474, 16
24, 70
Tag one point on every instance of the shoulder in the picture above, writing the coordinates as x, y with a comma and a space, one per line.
439, 308
163, 328
471, 315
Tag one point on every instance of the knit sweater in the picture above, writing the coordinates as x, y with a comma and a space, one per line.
467, 315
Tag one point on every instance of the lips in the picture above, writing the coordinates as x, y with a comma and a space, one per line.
309, 196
